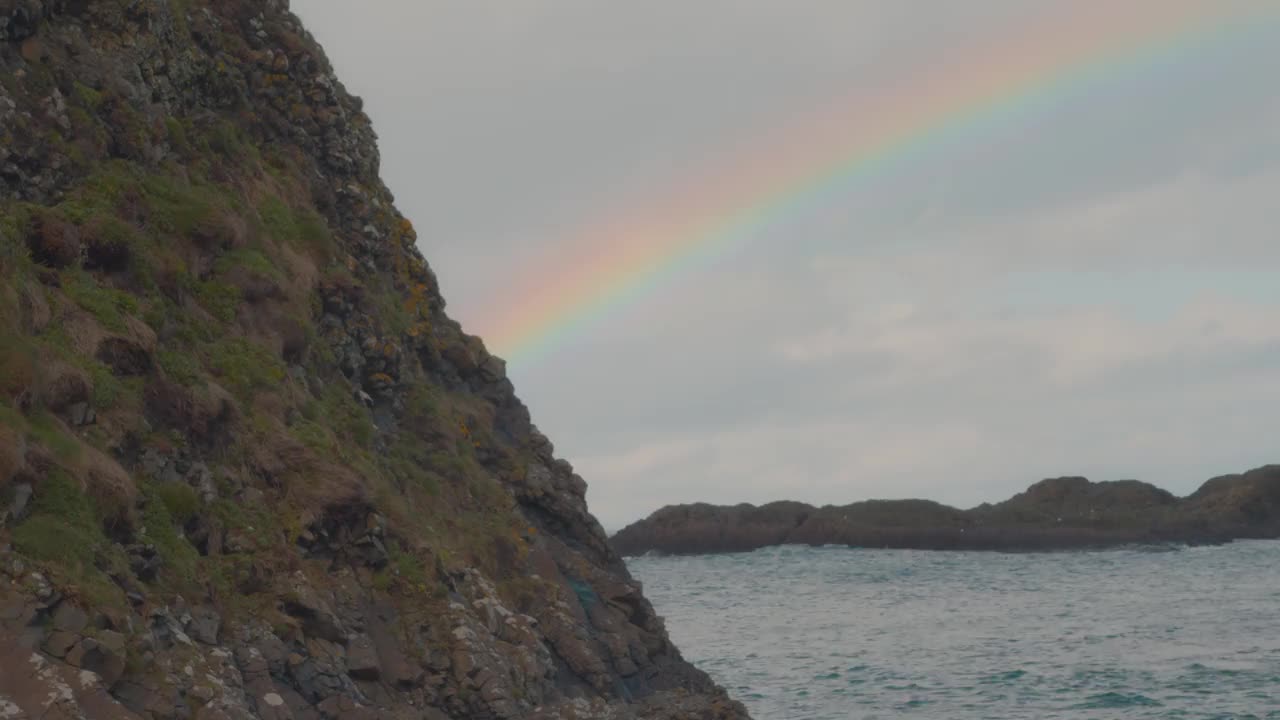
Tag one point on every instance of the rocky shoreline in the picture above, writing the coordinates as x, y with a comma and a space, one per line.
1055, 514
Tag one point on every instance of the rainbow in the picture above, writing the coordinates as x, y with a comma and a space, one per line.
611, 264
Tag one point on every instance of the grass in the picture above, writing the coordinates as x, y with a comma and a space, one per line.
304, 228
249, 259
219, 299
349, 420
180, 500
179, 365
64, 530
48, 432
245, 367
180, 559
108, 305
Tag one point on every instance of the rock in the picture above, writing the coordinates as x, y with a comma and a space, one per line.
108, 662
493, 369
344, 708
362, 659
204, 625
82, 414
22, 21
69, 618
1056, 513
20, 497
144, 561
59, 643
200, 478
125, 356
317, 617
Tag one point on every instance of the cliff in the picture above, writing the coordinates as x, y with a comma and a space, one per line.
1054, 514
249, 468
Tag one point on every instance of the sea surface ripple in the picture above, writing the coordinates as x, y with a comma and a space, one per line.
800, 633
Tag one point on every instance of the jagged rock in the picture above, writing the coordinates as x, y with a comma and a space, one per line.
144, 561
319, 620
204, 625
362, 659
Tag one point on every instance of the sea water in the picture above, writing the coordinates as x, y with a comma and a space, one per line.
801, 633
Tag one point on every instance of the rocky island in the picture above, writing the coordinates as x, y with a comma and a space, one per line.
1054, 514
249, 467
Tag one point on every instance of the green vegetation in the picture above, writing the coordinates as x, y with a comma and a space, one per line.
179, 365
180, 558
90, 98
107, 388
220, 299
336, 408
249, 259
108, 305
48, 432
180, 500
245, 367
64, 530
303, 228
178, 135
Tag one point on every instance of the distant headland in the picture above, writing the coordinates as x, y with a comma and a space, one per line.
1055, 514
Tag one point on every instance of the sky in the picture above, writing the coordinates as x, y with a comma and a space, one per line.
1088, 284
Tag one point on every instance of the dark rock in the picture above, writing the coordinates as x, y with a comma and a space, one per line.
110, 665
362, 659
22, 21
144, 561
204, 625
69, 618
59, 643
1058, 513
125, 356
20, 498
82, 414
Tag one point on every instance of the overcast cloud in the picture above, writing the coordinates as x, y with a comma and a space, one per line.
1089, 286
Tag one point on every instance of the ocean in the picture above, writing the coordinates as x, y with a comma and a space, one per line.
800, 633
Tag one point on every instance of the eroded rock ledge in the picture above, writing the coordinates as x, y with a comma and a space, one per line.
1054, 514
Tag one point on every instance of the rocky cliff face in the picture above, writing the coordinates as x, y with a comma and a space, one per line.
249, 468
1059, 513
